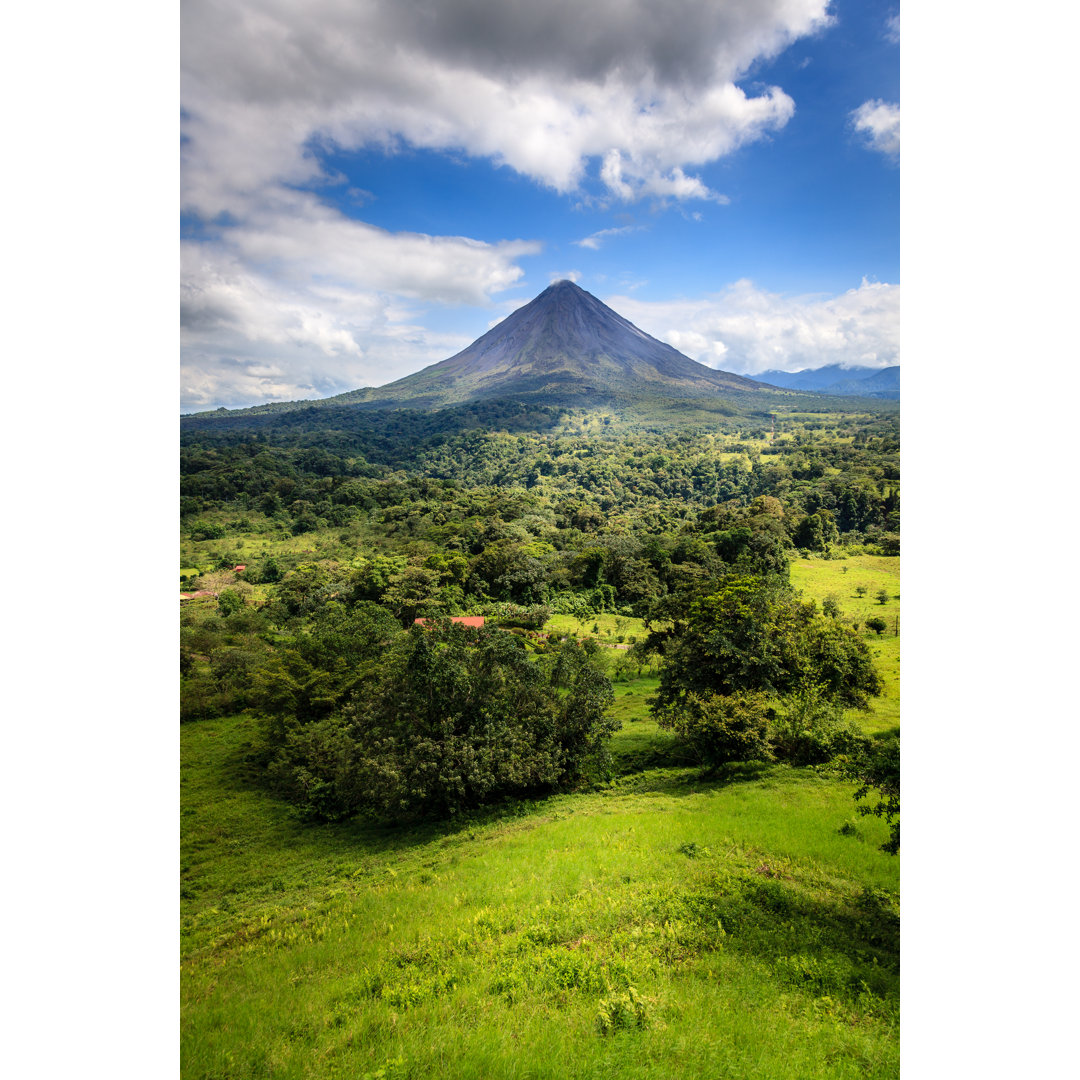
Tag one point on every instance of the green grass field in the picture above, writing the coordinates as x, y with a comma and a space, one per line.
743, 926
609, 627
839, 578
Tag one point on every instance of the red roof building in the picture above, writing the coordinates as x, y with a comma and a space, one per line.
465, 620
240, 569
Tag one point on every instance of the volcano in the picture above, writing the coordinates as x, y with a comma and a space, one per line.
564, 344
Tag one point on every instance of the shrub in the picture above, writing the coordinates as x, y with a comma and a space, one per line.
205, 530
720, 728
808, 729
230, 602
624, 1012
570, 603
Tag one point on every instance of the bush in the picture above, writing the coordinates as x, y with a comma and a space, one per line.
808, 729
230, 602
271, 572
623, 1012
721, 728
570, 603
451, 717
204, 530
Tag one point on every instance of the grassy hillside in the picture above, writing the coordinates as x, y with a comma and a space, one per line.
744, 926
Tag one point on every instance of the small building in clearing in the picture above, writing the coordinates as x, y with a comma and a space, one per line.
465, 620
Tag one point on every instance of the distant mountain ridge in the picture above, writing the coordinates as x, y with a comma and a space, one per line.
839, 381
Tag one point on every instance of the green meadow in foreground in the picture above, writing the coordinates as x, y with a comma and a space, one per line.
660, 925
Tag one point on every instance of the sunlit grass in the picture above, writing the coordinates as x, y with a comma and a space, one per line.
840, 578
759, 939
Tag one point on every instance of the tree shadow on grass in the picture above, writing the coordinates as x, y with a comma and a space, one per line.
687, 778
677, 776
841, 947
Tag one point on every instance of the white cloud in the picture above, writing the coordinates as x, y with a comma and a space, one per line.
879, 123
543, 88
746, 330
892, 28
275, 310
594, 241
284, 296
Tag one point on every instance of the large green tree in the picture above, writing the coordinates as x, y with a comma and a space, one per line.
753, 634
450, 717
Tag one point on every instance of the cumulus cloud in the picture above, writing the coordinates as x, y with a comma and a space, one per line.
879, 123
747, 330
542, 88
275, 309
892, 28
285, 296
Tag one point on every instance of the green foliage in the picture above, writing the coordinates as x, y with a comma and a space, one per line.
754, 635
877, 624
721, 728
530, 617
450, 717
816, 532
271, 571
623, 1012
809, 729
877, 770
230, 602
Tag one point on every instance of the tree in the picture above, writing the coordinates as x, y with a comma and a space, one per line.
877, 769
877, 624
808, 729
754, 635
721, 728
448, 718
271, 572
230, 601
816, 531
882, 595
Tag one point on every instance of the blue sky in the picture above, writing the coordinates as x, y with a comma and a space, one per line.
366, 188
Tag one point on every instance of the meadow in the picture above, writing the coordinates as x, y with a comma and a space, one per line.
820, 579
744, 925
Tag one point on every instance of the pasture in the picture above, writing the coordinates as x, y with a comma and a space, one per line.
744, 925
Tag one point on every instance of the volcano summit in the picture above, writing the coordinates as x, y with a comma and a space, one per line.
563, 344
